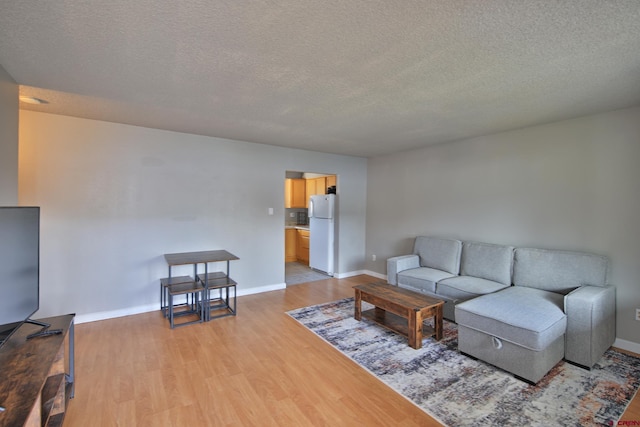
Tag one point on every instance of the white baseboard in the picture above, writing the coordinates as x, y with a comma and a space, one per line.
627, 345
104, 315
374, 274
261, 289
348, 274
358, 273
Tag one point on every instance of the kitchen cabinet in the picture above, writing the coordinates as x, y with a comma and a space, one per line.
295, 193
290, 242
315, 186
321, 185
310, 189
302, 247
331, 180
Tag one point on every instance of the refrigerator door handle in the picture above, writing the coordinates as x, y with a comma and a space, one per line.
310, 211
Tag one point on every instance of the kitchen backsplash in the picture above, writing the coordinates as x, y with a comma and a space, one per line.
296, 217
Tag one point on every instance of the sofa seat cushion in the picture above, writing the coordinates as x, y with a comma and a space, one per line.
421, 279
529, 317
463, 288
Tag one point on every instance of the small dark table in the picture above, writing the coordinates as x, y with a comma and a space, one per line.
200, 284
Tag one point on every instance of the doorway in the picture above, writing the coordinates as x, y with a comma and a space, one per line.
296, 273
298, 188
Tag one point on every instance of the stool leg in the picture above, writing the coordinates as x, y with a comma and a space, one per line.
234, 300
203, 312
206, 304
170, 307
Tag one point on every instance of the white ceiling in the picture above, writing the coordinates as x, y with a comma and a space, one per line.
351, 77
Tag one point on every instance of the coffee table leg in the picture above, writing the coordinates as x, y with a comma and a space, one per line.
415, 328
437, 322
358, 305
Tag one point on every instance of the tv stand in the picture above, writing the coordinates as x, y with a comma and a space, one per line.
37, 375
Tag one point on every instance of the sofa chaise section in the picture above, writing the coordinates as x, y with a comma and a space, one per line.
559, 306
520, 330
589, 301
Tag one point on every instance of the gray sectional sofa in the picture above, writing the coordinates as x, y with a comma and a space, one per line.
521, 309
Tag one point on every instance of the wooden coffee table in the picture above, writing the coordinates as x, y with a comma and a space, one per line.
400, 310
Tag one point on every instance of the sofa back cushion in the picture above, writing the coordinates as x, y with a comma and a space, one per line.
487, 261
558, 271
441, 254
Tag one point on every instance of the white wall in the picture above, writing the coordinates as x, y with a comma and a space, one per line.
569, 185
115, 198
8, 140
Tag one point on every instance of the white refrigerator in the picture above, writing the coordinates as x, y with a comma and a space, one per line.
321, 232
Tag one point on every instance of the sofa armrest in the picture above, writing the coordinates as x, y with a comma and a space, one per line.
399, 263
591, 323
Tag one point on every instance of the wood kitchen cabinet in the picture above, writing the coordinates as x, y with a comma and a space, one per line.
315, 186
290, 242
302, 246
310, 188
295, 193
331, 180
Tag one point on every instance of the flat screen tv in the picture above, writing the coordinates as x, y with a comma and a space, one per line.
19, 267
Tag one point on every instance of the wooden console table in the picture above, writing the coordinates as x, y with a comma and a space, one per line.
200, 284
37, 378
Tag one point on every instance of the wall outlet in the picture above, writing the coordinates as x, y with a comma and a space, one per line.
292, 214
637, 313
373, 257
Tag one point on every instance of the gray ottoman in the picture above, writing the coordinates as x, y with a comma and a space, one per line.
518, 329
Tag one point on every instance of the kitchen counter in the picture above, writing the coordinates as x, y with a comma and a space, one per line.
297, 227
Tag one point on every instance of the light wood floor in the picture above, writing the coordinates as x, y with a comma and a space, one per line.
259, 368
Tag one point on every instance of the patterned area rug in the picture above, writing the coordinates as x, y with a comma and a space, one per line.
460, 391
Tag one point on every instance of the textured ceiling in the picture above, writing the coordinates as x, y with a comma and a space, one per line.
361, 78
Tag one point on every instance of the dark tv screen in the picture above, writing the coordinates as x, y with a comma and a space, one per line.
19, 266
